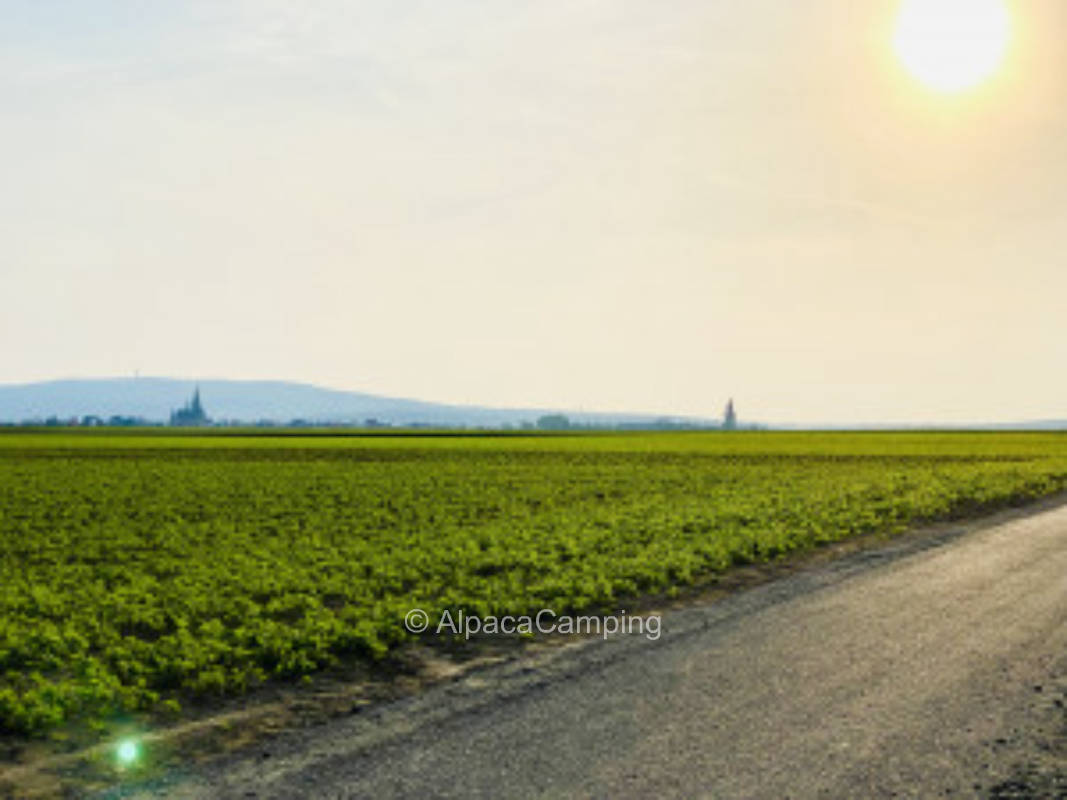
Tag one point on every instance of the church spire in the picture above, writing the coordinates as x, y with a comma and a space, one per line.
192, 413
729, 417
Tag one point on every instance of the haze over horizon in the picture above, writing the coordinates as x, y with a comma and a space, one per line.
588, 205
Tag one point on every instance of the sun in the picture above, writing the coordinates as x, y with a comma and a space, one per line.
952, 45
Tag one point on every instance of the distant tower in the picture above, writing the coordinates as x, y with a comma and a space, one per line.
729, 417
192, 413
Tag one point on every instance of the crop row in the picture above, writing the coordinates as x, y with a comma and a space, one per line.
132, 577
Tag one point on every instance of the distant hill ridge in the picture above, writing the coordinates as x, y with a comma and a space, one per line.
154, 399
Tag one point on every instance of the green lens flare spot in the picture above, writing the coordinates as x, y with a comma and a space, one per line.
127, 752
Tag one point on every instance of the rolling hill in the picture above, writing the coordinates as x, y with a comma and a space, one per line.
153, 399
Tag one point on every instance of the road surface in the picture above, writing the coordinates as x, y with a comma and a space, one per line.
934, 666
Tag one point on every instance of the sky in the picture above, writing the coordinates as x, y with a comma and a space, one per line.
589, 204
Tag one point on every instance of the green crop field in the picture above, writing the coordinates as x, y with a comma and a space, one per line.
141, 569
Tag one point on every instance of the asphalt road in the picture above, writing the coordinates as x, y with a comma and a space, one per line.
936, 666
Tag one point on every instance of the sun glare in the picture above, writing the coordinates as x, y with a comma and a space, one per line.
951, 45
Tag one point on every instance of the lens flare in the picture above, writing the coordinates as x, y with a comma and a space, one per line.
127, 752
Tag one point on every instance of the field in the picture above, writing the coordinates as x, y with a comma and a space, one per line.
141, 569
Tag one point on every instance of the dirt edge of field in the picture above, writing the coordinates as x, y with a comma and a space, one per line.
71, 766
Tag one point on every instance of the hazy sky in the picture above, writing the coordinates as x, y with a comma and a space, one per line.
593, 204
